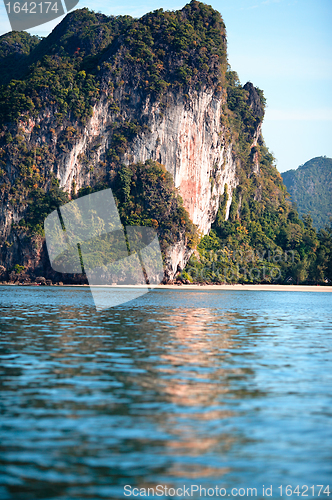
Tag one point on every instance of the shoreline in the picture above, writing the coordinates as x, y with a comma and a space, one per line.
196, 287
246, 287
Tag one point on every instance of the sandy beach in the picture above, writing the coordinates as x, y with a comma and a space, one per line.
228, 287
238, 287
196, 287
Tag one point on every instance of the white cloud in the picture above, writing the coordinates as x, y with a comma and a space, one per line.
249, 8
256, 6
268, 2
319, 114
281, 66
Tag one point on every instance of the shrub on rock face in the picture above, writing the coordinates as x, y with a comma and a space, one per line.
3, 273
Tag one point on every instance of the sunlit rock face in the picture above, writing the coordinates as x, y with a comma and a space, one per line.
186, 136
188, 139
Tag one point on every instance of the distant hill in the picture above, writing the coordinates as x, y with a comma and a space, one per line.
310, 187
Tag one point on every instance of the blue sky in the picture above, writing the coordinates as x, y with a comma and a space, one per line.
282, 46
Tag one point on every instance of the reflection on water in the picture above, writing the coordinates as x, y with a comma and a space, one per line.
178, 387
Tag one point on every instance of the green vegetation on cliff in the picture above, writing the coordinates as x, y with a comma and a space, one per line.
264, 239
310, 187
15, 50
67, 68
145, 196
86, 57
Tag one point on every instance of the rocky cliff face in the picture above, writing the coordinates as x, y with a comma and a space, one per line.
188, 130
189, 140
187, 137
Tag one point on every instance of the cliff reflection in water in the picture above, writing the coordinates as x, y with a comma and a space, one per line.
194, 350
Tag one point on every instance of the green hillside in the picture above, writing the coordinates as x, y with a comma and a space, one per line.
310, 187
15, 54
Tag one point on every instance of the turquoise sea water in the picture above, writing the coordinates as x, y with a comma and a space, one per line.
177, 388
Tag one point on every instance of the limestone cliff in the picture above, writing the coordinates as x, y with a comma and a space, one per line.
182, 118
187, 137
